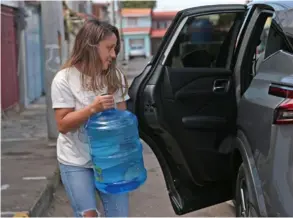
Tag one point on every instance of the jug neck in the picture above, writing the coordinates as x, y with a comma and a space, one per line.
109, 110
94, 116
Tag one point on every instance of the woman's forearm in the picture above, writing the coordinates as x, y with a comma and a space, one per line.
73, 120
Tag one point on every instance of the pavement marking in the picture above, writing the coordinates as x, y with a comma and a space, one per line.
5, 186
52, 144
35, 178
11, 213
22, 139
21, 214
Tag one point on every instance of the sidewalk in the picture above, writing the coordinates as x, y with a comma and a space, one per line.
29, 125
29, 166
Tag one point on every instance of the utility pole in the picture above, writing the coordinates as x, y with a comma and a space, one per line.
114, 13
121, 31
53, 38
118, 9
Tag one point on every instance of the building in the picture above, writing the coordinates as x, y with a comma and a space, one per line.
22, 49
100, 11
161, 21
80, 6
75, 13
9, 47
31, 44
136, 27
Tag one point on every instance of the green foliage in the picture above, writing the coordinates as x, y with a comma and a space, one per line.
138, 4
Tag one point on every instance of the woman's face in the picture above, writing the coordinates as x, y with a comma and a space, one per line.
106, 50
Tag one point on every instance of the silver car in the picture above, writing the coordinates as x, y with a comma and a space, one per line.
218, 114
137, 51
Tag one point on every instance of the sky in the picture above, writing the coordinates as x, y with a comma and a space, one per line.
163, 5
170, 5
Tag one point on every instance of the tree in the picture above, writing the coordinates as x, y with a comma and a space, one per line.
138, 4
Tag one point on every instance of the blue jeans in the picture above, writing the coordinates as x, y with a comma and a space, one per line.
81, 191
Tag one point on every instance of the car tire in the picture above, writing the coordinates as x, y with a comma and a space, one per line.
244, 196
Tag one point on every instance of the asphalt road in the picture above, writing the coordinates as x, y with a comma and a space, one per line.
151, 199
134, 67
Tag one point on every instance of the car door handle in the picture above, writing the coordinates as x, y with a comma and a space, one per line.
221, 85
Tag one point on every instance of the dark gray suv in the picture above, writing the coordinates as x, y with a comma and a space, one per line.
215, 104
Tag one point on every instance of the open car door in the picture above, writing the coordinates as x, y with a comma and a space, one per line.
186, 107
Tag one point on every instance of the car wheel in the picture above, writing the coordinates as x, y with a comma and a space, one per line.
244, 197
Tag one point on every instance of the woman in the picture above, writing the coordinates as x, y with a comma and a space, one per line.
83, 87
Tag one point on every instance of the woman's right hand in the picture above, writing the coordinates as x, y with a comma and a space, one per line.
103, 102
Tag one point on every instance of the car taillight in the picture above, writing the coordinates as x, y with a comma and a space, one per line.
284, 112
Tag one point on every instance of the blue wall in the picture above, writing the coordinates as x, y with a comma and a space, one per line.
142, 22
34, 58
147, 43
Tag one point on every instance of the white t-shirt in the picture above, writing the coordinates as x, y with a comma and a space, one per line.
67, 92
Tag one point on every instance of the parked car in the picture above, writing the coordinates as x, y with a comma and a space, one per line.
137, 51
222, 128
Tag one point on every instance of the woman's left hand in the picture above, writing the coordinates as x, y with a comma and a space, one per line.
121, 105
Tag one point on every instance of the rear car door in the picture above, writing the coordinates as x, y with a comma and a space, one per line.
186, 106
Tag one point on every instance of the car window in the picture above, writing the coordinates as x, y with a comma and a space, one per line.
271, 41
260, 49
259, 54
202, 41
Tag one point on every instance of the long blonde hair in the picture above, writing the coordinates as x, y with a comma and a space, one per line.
86, 55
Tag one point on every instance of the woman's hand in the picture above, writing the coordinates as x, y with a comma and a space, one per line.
121, 105
102, 103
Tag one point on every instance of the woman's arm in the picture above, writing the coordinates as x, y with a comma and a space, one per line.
68, 120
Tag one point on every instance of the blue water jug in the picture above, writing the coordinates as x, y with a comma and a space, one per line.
116, 151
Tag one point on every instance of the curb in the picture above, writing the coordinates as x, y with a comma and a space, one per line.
44, 200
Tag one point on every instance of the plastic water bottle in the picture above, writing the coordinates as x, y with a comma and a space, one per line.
116, 151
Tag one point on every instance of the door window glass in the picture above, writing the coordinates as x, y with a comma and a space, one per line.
271, 41
259, 54
203, 42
